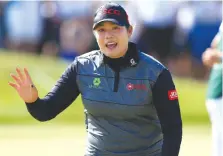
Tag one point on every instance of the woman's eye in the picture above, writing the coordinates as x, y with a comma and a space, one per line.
101, 30
115, 28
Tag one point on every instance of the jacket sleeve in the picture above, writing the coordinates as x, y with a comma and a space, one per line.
165, 99
58, 99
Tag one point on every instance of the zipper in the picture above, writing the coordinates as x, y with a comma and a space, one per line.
116, 82
116, 74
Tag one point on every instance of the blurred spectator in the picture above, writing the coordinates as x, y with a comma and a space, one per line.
24, 26
208, 16
67, 32
184, 22
197, 23
159, 20
76, 37
49, 12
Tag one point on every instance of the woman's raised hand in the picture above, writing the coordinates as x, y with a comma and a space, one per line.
24, 86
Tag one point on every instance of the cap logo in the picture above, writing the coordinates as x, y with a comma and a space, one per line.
111, 11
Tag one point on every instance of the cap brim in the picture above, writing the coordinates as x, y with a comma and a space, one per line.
107, 20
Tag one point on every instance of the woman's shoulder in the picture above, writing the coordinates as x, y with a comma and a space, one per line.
150, 61
89, 55
88, 59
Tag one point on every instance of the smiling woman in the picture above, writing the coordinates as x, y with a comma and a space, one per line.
130, 100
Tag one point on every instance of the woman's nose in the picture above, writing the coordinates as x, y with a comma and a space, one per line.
108, 35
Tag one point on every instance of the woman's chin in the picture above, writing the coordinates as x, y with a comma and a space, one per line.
113, 54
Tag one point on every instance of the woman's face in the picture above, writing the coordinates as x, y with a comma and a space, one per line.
112, 39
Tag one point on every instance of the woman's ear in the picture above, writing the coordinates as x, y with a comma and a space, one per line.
130, 30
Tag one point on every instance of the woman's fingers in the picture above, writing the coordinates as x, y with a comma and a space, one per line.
21, 75
14, 85
22, 79
16, 79
27, 75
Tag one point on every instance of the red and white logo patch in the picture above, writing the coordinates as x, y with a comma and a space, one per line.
131, 86
172, 95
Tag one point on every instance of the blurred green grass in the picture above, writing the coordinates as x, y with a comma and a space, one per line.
46, 70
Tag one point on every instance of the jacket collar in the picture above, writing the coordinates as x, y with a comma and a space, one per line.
131, 58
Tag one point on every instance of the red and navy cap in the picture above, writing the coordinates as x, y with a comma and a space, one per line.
111, 12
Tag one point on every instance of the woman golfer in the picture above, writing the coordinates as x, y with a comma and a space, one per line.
130, 100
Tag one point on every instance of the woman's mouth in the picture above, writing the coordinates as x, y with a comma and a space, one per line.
111, 45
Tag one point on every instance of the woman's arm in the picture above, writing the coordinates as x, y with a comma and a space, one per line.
165, 99
58, 99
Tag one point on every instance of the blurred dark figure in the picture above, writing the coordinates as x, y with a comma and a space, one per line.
49, 42
159, 24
